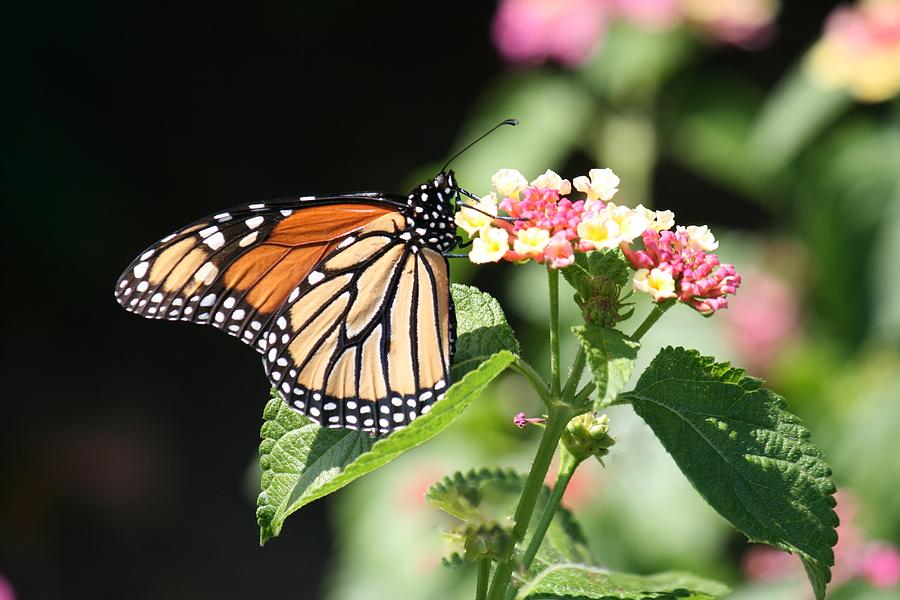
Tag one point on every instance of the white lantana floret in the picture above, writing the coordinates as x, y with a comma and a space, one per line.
551, 181
508, 183
602, 184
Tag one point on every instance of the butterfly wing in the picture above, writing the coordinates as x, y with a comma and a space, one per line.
234, 270
365, 340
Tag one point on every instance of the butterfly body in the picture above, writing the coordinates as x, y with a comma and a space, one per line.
346, 297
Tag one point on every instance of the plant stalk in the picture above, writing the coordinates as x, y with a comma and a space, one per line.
553, 284
484, 575
567, 465
556, 424
568, 392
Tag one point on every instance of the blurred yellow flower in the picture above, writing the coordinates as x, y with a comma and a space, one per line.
860, 51
490, 245
531, 241
473, 221
552, 181
658, 283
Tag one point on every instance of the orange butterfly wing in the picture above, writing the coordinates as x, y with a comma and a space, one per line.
234, 270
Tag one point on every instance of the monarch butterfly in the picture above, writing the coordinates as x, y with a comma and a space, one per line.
346, 296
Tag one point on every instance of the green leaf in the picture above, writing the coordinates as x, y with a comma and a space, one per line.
481, 329
488, 496
611, 355
746, 455
302, 462
582, 582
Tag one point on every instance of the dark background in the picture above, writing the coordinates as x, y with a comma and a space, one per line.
127, 444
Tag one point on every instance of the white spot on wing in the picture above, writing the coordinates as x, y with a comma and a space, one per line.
315, 277
254, 222
248, 239
206, 274
205, 233
141, 269
208, 300
215, 241
238, 314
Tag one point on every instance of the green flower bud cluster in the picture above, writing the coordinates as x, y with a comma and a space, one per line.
587, 435
600, 302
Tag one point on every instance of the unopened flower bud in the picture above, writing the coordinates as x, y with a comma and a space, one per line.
587, 435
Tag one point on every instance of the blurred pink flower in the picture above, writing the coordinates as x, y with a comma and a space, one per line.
762, 320
881, 565
854, 557
567, 31
6, 589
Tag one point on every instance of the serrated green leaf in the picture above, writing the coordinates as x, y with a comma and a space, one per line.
582, 582
746, 455
611, 355
481, 329
489, 496
302, 462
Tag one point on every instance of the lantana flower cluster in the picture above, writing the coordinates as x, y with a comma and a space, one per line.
860, 51
544, 224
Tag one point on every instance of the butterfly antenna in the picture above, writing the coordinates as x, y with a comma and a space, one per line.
512, 122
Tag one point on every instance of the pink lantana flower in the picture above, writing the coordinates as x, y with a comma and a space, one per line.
682, 269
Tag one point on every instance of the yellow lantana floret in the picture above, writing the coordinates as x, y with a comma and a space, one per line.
508, 183
473, 221
611, 225
531, 241
602, 185
551, 181
658, 283
490, 245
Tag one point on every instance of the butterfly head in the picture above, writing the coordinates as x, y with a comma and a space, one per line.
430, 212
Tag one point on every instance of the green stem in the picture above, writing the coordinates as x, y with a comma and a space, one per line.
574, 376
484, 574
556, 424
582, 396
658, 311
567, 465
553, 284
536, 381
